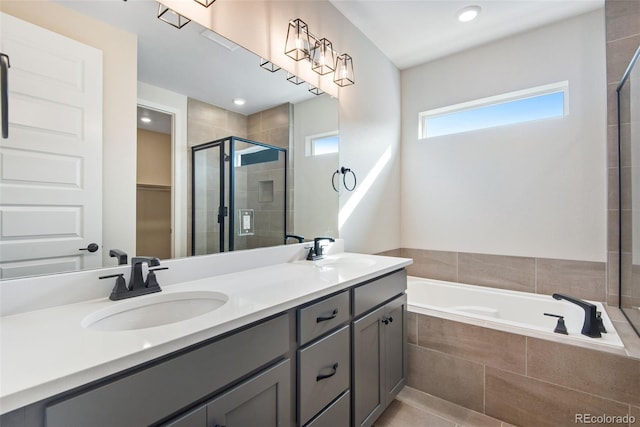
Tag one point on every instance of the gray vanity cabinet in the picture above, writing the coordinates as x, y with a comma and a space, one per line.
263, 401
379, 348
339, 362
155, 393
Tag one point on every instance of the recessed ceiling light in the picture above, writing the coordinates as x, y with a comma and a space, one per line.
239, 101
469, 13
145, 119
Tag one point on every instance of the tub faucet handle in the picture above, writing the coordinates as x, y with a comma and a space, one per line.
600, 322
561, 328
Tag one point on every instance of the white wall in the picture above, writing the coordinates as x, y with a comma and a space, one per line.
315, 203
532, 189
369, 110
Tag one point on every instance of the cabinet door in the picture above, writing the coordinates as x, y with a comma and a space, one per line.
395, 348
262, 401
368, 356
196, 418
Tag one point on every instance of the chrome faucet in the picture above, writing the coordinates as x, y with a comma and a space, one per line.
316, 251
591, 325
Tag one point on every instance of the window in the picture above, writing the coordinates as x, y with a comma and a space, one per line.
325, 143
541, 102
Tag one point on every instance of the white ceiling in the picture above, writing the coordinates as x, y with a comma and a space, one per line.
412, 32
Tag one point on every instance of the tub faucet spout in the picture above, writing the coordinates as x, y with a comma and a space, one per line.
590, 326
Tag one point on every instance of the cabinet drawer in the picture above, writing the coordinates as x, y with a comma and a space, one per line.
337, 414
195, 374
322, 316
323, 373
374, 293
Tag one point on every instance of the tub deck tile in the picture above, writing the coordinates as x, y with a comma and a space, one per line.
452, 378
526, 401
591, 371
499, 349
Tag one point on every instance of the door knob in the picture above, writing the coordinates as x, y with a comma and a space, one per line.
91, 247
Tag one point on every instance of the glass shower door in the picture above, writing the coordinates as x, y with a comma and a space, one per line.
239, 197
208, 196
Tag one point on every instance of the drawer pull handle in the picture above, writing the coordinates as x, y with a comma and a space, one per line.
334, 369
333, 315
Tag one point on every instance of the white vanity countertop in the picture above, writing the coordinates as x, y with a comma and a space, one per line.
48, 351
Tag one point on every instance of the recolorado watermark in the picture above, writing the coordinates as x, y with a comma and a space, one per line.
604, 419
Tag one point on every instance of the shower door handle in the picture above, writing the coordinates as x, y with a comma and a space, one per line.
222, 212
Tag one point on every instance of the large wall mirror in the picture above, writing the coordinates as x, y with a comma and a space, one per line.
283, 149
629, 167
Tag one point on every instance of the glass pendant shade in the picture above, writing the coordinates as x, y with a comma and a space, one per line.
343, 75
171, 17
297, 45
323, 57
205, 3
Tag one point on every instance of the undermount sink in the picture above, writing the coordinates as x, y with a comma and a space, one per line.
154, 310
344, 262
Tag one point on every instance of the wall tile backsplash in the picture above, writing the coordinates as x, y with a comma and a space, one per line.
582, 279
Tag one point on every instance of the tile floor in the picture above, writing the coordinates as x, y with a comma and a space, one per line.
413, 408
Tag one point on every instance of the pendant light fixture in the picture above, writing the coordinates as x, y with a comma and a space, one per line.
171, 17
205, 3
323, 58
268, 65
297, 44
302, 44
294, 79
343, 74
315, 90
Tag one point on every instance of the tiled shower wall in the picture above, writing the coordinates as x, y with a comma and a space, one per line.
206, 123
273, 127
623, 38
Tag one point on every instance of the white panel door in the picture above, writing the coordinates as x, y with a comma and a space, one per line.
51, 164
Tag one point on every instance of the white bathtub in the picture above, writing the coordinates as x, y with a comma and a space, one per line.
511, 311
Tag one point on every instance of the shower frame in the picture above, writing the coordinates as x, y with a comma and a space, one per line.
228, 211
